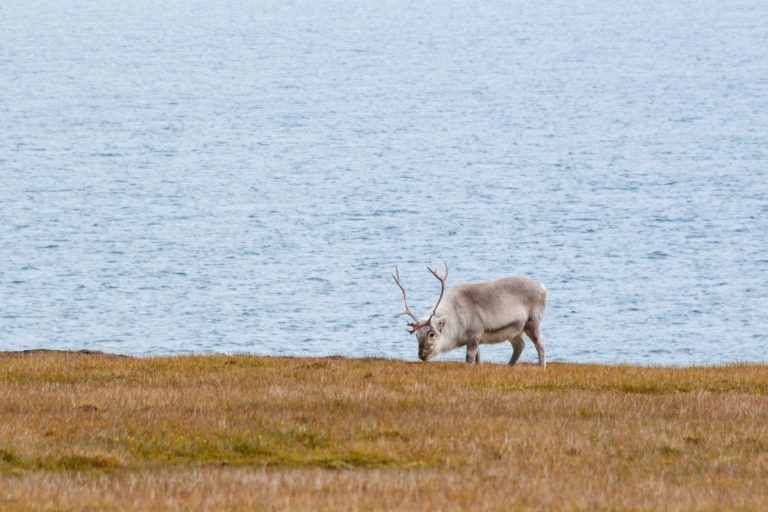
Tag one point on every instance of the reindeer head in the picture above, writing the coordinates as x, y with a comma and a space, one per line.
428, 331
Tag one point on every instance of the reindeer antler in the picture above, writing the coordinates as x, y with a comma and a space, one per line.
442, 288
416, 324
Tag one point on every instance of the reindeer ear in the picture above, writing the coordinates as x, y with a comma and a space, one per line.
439, 323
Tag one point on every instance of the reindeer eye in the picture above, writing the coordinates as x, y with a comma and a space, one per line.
431, 334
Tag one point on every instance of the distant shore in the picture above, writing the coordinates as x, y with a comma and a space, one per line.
88, 429
48, 351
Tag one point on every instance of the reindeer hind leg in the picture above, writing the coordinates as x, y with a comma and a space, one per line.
533, 330
518, 344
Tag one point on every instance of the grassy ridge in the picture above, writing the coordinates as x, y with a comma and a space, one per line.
95, 431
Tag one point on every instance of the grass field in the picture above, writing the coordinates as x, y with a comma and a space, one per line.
99, 432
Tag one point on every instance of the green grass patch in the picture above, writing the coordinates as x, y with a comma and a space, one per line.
79, 462
355, 459
8, 457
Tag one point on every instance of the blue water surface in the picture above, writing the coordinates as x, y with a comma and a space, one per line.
240, 176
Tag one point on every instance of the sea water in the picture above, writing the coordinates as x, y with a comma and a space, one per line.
243, 176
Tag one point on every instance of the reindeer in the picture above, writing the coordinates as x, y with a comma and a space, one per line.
475, 313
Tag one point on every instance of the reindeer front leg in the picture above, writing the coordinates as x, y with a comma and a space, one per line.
473, 352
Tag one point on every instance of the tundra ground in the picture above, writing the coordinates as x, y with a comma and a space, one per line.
98, 432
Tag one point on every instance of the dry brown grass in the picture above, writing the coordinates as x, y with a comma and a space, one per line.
217, 432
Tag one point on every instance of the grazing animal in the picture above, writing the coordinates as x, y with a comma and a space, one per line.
475, 313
